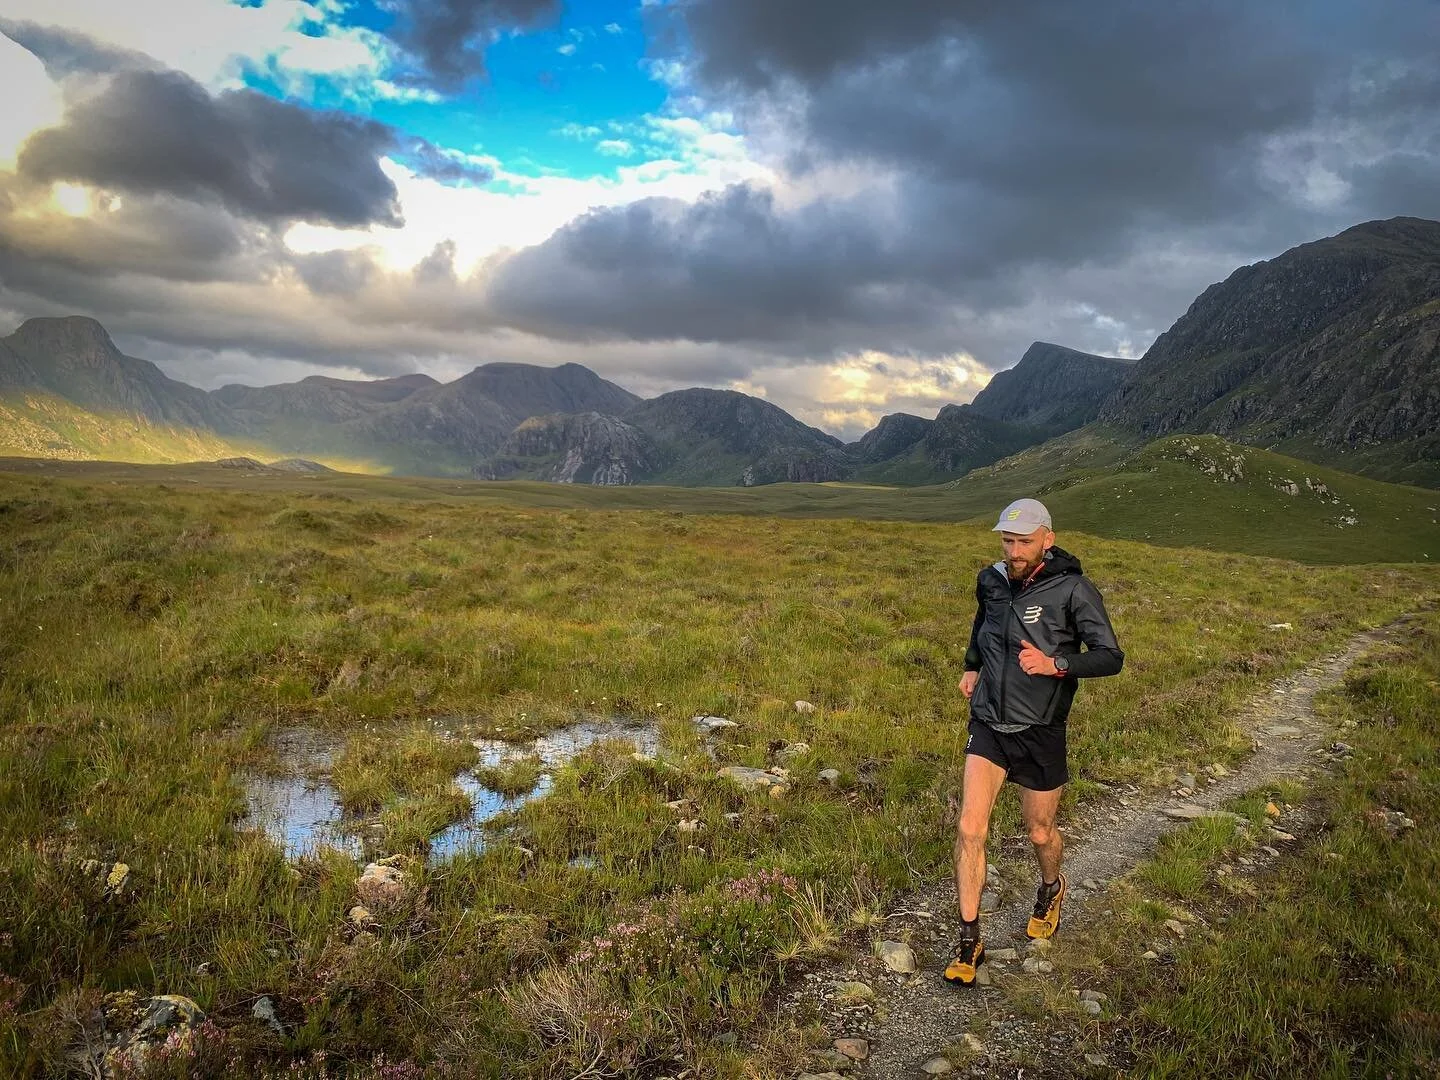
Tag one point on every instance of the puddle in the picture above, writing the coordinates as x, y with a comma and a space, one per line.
300, 808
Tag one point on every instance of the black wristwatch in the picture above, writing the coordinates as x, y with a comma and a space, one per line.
1062, 665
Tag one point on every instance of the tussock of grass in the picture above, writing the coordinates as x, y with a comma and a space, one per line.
151, 641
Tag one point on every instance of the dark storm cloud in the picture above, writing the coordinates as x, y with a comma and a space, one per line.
68, 52
1005, 138
150, 130
448, 37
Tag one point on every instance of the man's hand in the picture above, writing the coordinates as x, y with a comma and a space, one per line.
1035, 662
967, 683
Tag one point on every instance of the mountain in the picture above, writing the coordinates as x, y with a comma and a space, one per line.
1052, 388
1327, 351
894, 435
904, 449
74, 359
580, 448
316, 398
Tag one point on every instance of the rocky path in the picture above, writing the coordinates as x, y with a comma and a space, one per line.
916, 1018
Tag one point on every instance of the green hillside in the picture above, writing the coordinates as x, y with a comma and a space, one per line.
40, 425
1185, 491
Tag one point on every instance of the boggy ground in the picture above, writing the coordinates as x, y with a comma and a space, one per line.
643, 916
1025, 1023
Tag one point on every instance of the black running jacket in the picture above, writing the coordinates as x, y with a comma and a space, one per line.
1058, 611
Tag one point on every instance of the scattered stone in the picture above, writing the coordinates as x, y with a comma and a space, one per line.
1093, 995
682, 806
361, 916
1090, 1008
713, 723
1280, 834
830, 776
733, 817
852, 1048
1271, 810
1273, 852
1001, 954
117, 877
751, 779
166, 1012
1091, 884
1033, 965
380, 884
1280, 625
804, 707
897, 956
937, 1066
989, 902
264, 1011
1217, 769
1039, 947
793, 751
1187, 780
689, 825
1176, 927
1149, 954
1191, 812
832, 1061
982, 974
1095, 1061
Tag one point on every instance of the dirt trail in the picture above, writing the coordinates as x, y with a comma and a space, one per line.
919, 1017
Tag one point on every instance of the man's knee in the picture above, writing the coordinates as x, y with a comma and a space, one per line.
973, 831
1042, 833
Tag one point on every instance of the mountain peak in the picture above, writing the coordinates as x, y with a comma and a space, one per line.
1053, 387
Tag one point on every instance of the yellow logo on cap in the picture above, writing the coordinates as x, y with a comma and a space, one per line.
1012, 515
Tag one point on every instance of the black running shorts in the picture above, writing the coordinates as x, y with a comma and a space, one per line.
1033, 758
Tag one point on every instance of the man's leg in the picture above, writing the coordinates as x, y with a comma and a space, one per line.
1039, 809
983, 780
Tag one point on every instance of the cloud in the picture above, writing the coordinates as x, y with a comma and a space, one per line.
448, 38
615, 147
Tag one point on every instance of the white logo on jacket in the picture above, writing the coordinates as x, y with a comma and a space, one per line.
1032, 614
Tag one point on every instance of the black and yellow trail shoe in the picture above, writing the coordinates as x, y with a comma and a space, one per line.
968, 958
1047, 909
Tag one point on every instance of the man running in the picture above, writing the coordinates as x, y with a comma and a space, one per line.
1035, 611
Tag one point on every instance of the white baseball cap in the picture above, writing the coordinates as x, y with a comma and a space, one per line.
1023, 516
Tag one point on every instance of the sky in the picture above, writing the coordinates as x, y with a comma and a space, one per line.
848, 208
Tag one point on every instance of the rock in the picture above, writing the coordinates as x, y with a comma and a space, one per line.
1090, 1008
1271, 810
1095, 1061
989, 902
830, 776
1176, 927
982, 974
854, 991
165, 1013
733, 817
1149, 954
897, 956
1191, 812
116, 879
937, 1066
726, 1038
832, 1060
793, 751
713, 723
689, 825
380, 884
1033, 965
1039, 947
682, 806
1001, 954
854, 1049
1281, 625
361, 916
1281, 835
1091, 884
751, 779
779, 791
1092, 995
264, 1011
1187, 780
804, 707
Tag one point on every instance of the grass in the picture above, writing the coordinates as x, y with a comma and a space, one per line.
1329, 966
155, 635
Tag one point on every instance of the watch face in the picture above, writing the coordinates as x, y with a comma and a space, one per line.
1062, 664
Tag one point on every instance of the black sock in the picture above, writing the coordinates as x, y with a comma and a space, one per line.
970, 929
